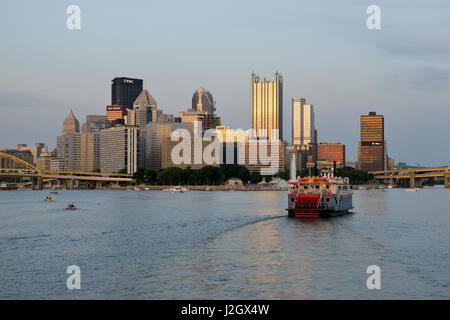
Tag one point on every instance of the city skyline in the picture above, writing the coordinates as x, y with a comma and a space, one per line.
349, 70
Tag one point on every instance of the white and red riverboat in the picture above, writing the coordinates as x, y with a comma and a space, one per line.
315, 197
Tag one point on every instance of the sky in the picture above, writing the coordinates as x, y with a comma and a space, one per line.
323, 49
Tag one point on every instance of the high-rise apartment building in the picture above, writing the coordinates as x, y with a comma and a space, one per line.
267, 106
303, 127
119, 149
372, 153
125, 90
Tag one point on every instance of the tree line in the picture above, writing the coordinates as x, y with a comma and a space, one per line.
210, 175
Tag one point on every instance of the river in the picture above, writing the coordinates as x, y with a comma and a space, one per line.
222, 245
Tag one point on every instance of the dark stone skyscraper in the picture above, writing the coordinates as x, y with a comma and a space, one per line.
125, 90
372, 153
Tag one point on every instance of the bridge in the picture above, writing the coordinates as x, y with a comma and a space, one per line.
68, 178
413, 177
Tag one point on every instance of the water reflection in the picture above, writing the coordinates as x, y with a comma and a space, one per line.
371, 202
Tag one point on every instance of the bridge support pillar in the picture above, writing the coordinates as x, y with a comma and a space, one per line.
391, 181
37, 183
98, 185
69, 184
447, 178
412, 180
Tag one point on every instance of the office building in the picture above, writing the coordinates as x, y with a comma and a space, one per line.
300, 157
90, 151
157, 144
124, 91
267, 106
208, 121
303, 127
95, 123
203, 101
116, 112
69, 152
70, 124
119, 149
331, 152
372, 153
24, 155
35, 150
43, 162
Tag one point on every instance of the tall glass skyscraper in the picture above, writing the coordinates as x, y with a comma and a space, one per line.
125, 90
267, 106
303, 128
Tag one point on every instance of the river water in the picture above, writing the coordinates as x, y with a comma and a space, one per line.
222, 245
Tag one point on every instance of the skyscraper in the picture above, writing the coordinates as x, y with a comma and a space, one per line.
203, 110
119, 149
125, 90
202, 100
267, 106
70, 124
303, 127
69, 151
90, 151
157, 139
372, 147
144, 107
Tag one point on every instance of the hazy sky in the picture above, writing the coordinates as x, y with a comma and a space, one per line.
323, 49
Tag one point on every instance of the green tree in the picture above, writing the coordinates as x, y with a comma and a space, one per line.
211, 175
169, 176
255, 177
267, 179
354, 176
138, 176
285, 175
149, 176
305, 172
243, 174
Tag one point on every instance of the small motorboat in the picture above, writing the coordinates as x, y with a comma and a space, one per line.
177, 189
54, 192
411, 189
49, 199
71, 206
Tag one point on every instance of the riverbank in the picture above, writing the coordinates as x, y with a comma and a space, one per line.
201, 188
